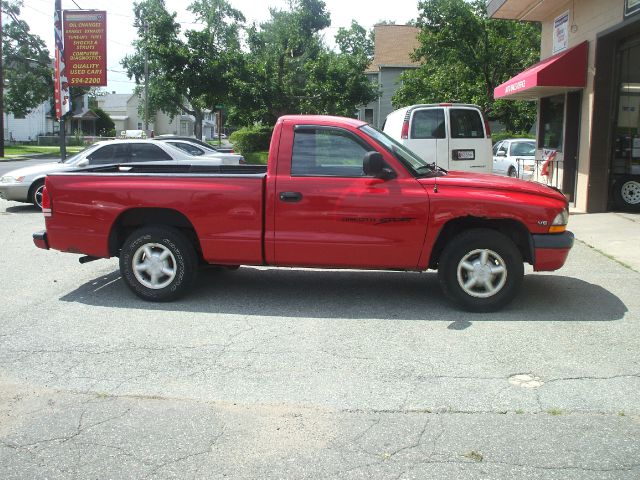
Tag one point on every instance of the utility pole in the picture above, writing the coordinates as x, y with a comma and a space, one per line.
1, 91
146, 77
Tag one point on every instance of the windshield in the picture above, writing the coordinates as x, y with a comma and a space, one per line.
415, 164
78, 156
525, 149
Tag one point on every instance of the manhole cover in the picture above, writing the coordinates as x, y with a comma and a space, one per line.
526, 380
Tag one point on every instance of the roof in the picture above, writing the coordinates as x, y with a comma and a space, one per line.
394, 45
114, 101
321, 120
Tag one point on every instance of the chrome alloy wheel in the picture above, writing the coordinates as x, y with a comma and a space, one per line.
37, 196
482, 273
154, 265
630, 192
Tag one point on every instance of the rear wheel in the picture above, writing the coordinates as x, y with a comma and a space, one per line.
158, 263
512, 172
481, 270
35, 193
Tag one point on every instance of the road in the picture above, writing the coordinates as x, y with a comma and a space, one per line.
8, 165
286, 373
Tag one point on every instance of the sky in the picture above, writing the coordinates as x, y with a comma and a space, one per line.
120, 32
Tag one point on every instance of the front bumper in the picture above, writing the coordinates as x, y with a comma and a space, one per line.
40, 240
17, 192
551, 250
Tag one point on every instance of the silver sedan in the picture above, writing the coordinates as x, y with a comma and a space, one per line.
26, 184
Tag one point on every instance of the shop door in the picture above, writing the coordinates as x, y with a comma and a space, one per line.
572, 140
625, 162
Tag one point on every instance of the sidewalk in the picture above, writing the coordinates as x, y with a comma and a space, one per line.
615, 234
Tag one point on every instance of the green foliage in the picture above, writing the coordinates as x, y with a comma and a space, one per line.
255, 138
466, 55
27, 71
355, 40
190, 71
290, 70
104, 124
499, 136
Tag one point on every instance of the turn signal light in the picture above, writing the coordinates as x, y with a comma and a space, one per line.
557, 228
405, 130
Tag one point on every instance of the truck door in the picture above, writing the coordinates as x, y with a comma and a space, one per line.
427, 135
328, 213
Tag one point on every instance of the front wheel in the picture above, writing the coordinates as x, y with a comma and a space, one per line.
481, 270
158, 263
35, 193
513, 172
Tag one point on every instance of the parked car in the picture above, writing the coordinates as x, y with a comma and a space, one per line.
515, 157
454, 136
336, 193
198, 150
197, 142
26, 184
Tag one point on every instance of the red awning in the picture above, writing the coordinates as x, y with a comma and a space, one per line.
561, 73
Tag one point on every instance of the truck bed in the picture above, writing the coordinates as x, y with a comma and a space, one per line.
222, 203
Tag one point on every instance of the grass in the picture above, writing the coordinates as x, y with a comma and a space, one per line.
21, 150
554, 411
474, 455
257, 158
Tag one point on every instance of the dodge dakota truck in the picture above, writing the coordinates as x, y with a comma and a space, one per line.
335, 193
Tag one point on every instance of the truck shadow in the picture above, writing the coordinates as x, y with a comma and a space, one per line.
358, 295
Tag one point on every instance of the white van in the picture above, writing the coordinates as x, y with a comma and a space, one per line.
454, 135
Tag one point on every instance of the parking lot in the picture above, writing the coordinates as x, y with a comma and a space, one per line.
288, 373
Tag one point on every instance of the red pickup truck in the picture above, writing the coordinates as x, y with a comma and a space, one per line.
336, 193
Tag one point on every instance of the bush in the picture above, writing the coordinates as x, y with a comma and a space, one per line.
255, 138
503, 135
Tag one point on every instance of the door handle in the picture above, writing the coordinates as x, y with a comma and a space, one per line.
290, 196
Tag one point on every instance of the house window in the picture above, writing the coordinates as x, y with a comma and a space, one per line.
139, 125
551, 122
368, 115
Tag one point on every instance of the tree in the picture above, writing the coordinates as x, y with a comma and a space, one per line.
190, 74
355, 40
465, 55
290, 70
104, 125
27, 66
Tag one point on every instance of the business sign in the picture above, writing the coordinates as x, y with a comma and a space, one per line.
61, 85
561, 33
631, 7
85, 47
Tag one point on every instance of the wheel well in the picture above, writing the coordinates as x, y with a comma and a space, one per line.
513, 229
135, 218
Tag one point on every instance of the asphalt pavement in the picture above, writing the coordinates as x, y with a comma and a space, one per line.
292, 373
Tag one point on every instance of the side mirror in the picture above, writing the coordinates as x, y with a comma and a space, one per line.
501, 153
373, 166
82, 163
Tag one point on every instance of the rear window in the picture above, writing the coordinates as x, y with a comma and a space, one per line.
428, 124
146, 152
524, 149
466, 123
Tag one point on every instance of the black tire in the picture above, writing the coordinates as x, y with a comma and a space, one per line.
35, 193
469, 246
512, 172
626, 193
153, 283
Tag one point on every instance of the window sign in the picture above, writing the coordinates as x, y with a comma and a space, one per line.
561, 32
631, 7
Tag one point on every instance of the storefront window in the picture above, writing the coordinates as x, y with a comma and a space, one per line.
551, 122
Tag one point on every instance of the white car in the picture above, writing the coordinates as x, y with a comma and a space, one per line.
26, 184
455, 136
515, 157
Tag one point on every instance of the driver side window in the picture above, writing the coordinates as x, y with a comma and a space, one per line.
327, 152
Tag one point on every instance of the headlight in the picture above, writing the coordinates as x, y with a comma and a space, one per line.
562, 218
9, 179
559, 223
